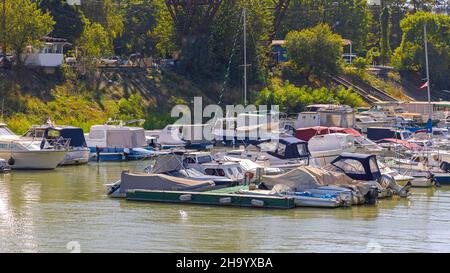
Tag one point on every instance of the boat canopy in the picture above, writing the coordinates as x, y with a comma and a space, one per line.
76, 136
307, 133
291, 148
358, 166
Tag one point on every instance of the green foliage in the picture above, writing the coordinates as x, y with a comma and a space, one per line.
26, 26
359, 63
315, 51
385, 45
131, 108
69, 108
94, 40
139, 21
107, 14
410, 56
157, 120
293, 99
69, 19
350, 18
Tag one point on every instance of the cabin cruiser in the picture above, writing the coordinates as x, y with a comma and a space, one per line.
117, 143
286, 153
328, 115
31, 153
358, 172
78, 152
333, 146
204, 163
247, 128
362, 122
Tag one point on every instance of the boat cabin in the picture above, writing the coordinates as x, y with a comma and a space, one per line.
358, 166
75, 135
291, 148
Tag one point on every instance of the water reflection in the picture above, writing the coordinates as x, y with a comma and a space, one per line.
43, 211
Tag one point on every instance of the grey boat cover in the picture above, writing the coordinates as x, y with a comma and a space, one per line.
131, 137
308, 177
144, 181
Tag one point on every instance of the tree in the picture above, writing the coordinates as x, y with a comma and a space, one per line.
410, 56
107, 13
315, 51
385, 45
293, 99
94, 40
139, 21
69, 23
26, 26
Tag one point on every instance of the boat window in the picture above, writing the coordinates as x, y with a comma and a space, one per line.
281, 149
204, 159
54, 134
215, 172
35, 133
97, 135
374, 165
351, 166
230, 172
301, 149
240, 170
189, 160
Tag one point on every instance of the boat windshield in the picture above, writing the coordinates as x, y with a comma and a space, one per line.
350, 166
204, 159
5, 132
35, 133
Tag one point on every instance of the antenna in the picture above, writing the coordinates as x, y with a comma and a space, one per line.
3, 104
245, 57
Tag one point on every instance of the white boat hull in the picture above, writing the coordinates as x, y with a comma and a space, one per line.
76, 157
33, 160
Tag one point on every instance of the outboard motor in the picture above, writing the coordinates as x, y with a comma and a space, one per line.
445, 166
372, 196
388, 182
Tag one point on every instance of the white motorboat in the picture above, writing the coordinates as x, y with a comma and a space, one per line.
30, 153
325, 148
78, 152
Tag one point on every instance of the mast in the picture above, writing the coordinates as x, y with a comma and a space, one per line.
430, 109
245, 57
4, 28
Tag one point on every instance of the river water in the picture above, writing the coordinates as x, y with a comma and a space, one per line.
67, 210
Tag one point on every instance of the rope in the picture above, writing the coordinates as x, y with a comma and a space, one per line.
233, 51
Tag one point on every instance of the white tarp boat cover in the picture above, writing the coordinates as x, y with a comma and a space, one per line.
308, 177
144, 181
125, 138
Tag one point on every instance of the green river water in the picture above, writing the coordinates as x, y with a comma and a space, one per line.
67, 210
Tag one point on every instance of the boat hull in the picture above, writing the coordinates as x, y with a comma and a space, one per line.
33, 160
76, 157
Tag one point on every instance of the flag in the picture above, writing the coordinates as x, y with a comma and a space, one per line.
425, 85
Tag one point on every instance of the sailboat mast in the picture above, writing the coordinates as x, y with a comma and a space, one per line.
245, 57
430, 109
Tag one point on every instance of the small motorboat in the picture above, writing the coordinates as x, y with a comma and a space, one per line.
118, 143
24, 153
146, 181
78, 152
3, 165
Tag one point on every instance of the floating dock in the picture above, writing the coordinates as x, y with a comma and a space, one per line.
208, 198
